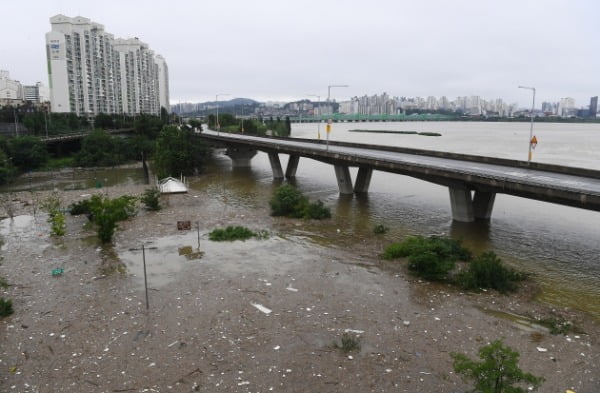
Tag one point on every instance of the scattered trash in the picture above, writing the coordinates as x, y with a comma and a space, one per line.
58, 271
243, 383
276, 348
354, 331
261, 308
350, 357
291, 289
540, 349
406, 323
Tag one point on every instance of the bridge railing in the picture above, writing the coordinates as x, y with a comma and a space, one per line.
433, 153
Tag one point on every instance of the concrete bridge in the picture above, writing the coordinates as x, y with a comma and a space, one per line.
472, 181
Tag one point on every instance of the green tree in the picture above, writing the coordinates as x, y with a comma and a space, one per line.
177, 152
148, 126
98, 149
104, 121
27, 152
498, 371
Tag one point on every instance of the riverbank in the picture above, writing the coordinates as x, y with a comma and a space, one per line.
89, 330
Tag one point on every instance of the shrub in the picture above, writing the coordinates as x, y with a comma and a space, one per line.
57, 223
105, 213
349, 343
430, 265
316, 211
230, 234
81, 207
431, 258
56, 218
6, 307
487, 271
380, 229
498, 372
289, 202
151, 198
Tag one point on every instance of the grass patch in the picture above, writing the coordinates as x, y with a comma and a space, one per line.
487, 271
59, 163
349, 343
558, 325
290, 202
6, 307
231, 233
3, 283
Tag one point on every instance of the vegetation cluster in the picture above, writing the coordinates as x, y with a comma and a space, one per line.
105, 213
288, 201
232, 233
434, 258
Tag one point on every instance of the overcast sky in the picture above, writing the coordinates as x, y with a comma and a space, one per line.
284, 50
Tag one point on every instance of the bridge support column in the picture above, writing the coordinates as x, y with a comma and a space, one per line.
462, 204
276, 165
240, 156
483, 203
292, 166
363, 180
342, 173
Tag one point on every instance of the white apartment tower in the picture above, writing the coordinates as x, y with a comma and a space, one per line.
91, 72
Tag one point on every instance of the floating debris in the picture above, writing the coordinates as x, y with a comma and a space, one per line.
262, 308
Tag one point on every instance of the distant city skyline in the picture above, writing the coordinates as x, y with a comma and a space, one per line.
281, 51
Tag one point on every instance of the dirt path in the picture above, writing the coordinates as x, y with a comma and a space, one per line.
254, 316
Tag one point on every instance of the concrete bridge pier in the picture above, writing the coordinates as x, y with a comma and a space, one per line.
342, 173
292, 166
276, 165
240, 155
483, 203
466, 208
363, 180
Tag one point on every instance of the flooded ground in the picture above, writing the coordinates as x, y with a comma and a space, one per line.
253, 316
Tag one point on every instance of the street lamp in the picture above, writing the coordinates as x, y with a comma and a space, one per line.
531, 125
319, 111
217, 119
329, 90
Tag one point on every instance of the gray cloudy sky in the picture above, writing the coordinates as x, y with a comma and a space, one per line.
281, 50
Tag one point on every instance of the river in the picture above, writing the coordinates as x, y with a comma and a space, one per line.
559, 245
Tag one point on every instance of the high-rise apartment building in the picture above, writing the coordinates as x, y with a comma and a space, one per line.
593, 106
90, 71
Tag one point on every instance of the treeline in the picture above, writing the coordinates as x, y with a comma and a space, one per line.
174, 150
39, 122
261, 127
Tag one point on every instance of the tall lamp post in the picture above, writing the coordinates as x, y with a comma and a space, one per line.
217, 119
329, 90
531, 125
319, 111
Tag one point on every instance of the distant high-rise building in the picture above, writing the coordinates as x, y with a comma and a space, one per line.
593, 106
10, 90
91, 72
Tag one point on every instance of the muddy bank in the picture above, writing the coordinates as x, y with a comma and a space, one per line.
254, 316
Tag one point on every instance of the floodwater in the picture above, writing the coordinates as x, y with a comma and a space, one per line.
77, 179
558, 244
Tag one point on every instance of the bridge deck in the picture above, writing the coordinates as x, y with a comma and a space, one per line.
569, 186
